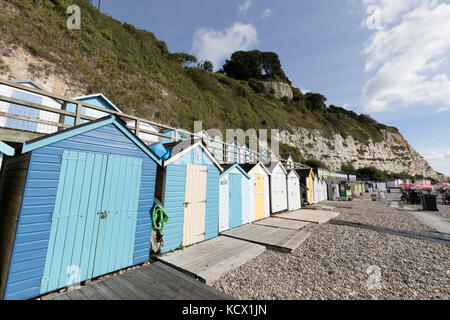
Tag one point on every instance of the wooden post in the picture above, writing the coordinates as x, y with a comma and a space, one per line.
78, 114
137, 123
62, 118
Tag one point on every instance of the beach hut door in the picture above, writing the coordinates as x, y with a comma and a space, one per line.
117, 220
195, 204
294, 193
94, 219
235, 191
259, 196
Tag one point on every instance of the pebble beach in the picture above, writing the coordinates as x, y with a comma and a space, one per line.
342, 262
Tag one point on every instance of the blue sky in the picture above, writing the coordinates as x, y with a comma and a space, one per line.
382, 57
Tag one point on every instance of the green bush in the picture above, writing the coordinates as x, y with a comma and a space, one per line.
256, 85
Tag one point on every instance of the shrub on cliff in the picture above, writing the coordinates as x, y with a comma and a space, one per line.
244, 65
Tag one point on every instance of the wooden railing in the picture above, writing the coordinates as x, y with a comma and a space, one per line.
236, 151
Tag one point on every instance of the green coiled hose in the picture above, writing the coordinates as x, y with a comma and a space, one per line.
159, 217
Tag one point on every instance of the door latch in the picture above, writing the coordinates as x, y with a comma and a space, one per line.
186, 204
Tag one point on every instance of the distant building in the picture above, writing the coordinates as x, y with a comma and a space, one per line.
288, 161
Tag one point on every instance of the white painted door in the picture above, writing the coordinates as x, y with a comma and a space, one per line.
195, 204
279, 192
294, 193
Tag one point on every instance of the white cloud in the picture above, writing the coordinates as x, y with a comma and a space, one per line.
304, 90
244, 7
442, 109
408, 53
267, 13
217, 45
391, 10
440, 161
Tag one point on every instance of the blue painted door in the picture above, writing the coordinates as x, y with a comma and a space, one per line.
117, 230
84, 243
235, 200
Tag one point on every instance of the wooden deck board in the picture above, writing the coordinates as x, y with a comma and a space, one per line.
147, 284
92, 294
155, 281
130, 287
179, 290
208, 291
76, 295
212, 259
169, 287
314, 216
122, 292
209, 251
282, 223
282, 239
105, 291
63, 296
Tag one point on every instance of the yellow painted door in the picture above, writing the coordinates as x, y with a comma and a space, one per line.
311, 191
259, 196
195, 204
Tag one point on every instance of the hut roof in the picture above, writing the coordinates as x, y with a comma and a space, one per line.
58, 136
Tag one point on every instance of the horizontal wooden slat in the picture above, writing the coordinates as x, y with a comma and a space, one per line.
35, 106
36, 120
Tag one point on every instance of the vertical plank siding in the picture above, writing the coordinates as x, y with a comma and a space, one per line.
224, 203
278, 190
38, 204
12, 184
229, 202
212, 196
259, 170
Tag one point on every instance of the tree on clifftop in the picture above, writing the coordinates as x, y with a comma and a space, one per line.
245, 65
206, 65
184, 59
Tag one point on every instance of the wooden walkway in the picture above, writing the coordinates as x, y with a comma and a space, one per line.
155, 281
277, 238
212, 259
314, 216
282, 223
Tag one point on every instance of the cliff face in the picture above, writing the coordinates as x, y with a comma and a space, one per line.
393, 154
280, 89
18, 64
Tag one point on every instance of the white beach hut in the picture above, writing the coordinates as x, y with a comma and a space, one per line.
293, 190
278, 187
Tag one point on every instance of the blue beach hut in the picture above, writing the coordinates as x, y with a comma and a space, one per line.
76, 205
234, 200
171, 133
98, 100
188, 186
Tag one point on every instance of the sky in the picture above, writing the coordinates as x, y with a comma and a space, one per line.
386, 58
